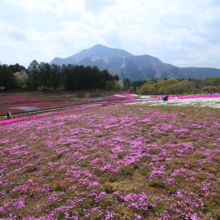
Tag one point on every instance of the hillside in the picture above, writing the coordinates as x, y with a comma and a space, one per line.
126, 65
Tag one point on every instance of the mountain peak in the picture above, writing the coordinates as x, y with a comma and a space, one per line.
99, 46
100, 51
120, 62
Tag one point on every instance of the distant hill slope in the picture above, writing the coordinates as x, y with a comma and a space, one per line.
124, 64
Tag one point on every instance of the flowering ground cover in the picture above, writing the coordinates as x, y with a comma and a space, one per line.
110, 97
211, 102
76, 109
190, 96
18, 103
117, 162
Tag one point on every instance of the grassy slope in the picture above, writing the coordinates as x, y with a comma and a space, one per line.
117, 162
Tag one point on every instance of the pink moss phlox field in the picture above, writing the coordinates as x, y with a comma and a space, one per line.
109, 97
46, 114
38, 101
15, 102
118, 162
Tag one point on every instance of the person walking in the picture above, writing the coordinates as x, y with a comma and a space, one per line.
8, 114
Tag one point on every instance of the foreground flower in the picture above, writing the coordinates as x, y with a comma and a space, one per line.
116, 162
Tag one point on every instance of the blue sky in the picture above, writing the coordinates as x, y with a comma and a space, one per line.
184, 33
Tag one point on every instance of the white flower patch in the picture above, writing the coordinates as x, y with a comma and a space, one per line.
27, 108
145, 97
194, 102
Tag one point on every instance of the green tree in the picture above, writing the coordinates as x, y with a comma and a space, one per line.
200, 83
69, 85
42, 74
215, 81
210, 88
131, 89
126, 82
7, 78
54, 73
109, 86
145, 89
116, 77
16, 68
94, 75
162, 91
63, 76
33, 69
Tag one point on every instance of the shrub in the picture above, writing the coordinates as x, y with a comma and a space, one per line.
210, 88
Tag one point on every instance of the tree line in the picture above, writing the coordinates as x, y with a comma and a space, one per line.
52, 77
73, 77
175, 86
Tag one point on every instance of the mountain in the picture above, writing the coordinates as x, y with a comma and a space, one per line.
120, 62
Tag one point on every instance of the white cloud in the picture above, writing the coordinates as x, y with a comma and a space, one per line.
34, 6
61, 7
69, 7
36, 45
181, 32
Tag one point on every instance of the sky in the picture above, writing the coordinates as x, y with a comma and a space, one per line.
185, 33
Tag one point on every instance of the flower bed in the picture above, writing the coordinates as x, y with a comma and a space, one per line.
190, 96
118, 162
110, 97
24, 103
194, 102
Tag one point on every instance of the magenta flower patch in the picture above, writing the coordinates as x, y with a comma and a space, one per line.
115, 162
